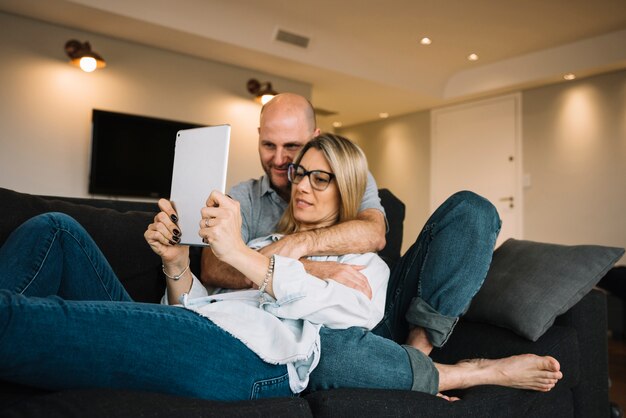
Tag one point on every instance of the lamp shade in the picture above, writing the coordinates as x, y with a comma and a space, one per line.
263, 92
82, 56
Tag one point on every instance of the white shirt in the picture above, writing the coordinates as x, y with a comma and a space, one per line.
285, 330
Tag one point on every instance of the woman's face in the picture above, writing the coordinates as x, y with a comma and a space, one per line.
314, 208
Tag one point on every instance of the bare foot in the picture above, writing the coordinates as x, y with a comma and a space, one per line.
418, 339
526, 371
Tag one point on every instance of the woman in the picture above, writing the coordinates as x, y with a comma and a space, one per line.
252, 344
324, 199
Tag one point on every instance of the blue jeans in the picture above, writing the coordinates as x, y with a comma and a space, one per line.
431, 286
440, 273
67, 322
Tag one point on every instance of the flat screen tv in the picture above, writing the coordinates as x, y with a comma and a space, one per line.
132, 155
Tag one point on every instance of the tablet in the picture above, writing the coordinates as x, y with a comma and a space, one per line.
200, 162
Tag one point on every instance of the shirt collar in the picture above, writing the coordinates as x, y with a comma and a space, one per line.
265, 185
267, 189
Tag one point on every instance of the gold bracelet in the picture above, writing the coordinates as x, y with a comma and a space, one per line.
176, 278
268, 275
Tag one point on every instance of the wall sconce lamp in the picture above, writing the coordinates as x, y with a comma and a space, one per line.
81, 55
263, 92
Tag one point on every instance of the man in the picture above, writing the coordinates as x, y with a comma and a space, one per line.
287, 123
452, 254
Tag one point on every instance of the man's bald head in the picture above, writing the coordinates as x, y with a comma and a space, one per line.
287, 123
290, 103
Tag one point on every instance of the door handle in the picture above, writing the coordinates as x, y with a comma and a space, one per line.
509, 199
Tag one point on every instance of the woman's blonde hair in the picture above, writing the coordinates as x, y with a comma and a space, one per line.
348, 163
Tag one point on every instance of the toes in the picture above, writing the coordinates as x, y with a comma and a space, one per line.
448, 398
546, 386
556, 376
550, 363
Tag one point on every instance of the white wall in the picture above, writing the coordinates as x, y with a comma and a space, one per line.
398, 152
574, 134
46, 103
574, 153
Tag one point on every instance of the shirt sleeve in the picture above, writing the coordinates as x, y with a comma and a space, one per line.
371, 200
241, 193
197, 291
300, 295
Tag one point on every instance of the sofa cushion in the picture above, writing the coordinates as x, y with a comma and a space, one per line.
479, 401
529, 283
125, 403
137, 267
395, 212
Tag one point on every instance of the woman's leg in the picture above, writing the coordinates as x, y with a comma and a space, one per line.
356, 358
435, 281
56, 344
526, 371
52, 254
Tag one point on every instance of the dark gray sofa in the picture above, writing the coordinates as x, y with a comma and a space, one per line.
577, 340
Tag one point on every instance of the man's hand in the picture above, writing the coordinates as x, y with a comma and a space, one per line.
348, 275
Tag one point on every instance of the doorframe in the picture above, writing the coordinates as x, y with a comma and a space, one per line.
519, 176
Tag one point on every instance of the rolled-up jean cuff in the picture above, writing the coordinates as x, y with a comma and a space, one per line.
425, 374
438, 327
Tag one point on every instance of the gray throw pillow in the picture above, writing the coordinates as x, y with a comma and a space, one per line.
530, 283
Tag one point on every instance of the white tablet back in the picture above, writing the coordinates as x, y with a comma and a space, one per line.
200, 162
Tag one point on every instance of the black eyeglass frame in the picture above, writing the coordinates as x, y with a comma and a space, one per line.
293, 167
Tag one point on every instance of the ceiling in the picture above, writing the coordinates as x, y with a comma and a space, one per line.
364, 56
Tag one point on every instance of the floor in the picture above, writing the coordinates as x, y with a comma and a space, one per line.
617, 371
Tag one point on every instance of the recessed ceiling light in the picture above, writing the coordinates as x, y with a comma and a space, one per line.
383, 115
569, 76
337, 124
472, 57
426, 41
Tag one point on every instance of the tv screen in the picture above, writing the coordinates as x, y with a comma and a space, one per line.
132, 155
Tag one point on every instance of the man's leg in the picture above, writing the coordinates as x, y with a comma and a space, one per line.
435, 281
52, 254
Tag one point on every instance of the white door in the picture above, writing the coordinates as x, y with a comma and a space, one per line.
477, 147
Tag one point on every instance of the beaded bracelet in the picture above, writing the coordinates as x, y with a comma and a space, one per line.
268, 275
176, 278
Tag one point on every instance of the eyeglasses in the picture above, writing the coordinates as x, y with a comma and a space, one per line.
319, 179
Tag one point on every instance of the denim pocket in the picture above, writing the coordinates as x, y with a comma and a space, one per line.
271, 388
